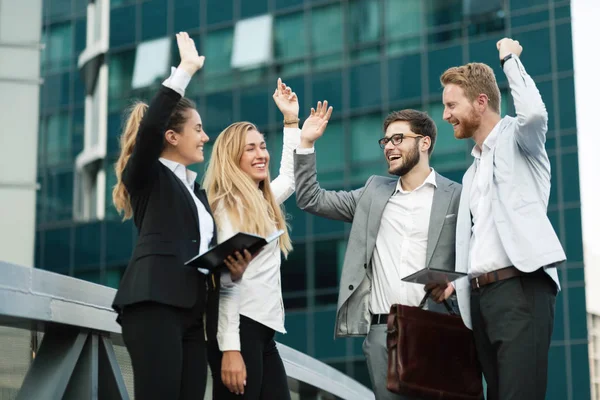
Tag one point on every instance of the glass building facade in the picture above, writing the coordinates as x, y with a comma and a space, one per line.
367, 58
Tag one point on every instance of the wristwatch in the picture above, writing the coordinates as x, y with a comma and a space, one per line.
505, 59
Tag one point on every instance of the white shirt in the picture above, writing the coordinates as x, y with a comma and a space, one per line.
178, 81
401, 247
486, 252
257, 295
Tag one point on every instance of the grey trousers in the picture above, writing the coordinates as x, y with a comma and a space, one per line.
375, 350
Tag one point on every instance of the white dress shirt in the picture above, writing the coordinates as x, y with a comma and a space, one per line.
257, 295
178, 81
486, 253
401, 247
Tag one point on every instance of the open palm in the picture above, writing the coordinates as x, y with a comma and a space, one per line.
315, 125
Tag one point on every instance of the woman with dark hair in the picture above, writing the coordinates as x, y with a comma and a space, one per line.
162, 302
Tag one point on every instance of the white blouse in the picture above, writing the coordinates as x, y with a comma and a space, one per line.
257, 295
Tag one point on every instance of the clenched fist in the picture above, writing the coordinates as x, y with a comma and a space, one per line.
506, 46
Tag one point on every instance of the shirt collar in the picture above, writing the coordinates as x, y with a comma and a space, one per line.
180, 171
489, 142
429, 180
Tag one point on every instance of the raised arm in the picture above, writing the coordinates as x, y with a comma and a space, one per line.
286, 100
143, 162
339, 205
532, 117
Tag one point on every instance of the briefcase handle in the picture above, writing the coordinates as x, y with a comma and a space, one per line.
427, 294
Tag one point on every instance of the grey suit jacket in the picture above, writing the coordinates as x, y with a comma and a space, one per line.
520, 189
364, 208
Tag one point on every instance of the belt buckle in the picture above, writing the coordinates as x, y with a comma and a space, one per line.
477, 282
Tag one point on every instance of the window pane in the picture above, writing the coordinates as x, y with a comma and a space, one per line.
404, 78
59, 48
217, 70
59, 200
290, 41
327, 86
251, 8
566, 90
443, 12
187, 15
57, 8
57, 250
364, 132
529, 19
87, 246
293, 270
365, 90
485, 51
326, 345
365, 25
58, 139
329, 259
254, 105
520, 4
56, 88
439, 61
403, 25
331, 156
219, 11
120, 72
327, 32
78, 132
154, 19
122, 26
219, 113
280, 4
537, 58
119, 241
564, 47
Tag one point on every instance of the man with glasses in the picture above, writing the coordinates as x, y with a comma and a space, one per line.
399, 226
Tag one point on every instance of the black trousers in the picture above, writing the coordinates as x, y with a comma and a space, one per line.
266, 377
167, 349
513, 321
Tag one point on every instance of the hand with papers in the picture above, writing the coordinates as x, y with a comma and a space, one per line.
238, 264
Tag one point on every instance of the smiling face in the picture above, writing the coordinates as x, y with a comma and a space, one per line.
255, 157
460, 112
403, 157
190, 144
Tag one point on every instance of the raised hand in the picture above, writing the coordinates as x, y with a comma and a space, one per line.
286, 100
190, 60
315, 125
506, 46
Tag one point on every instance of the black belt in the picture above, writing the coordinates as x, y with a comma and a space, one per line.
378, 319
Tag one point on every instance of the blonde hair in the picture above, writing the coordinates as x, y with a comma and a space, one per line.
230, 190
136, 112
127, 142
474, 79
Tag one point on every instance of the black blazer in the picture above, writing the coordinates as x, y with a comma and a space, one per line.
166, 218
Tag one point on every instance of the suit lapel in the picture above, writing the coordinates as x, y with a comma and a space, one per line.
380, 199
201, 194
463, 222
188, 197
439, 209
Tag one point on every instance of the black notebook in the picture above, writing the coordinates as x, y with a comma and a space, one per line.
433, 275
214, 258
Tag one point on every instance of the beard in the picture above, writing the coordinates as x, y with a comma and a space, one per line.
409, 160
468, 125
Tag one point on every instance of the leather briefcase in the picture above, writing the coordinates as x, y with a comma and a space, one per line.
431, 355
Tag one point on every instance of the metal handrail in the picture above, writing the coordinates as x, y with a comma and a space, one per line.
39, 300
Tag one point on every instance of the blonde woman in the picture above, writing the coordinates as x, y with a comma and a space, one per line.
160, 301
244, 359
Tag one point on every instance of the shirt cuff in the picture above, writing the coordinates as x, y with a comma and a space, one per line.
178, 81
301, 150
229, 341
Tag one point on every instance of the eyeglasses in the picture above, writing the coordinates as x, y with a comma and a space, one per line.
396, 139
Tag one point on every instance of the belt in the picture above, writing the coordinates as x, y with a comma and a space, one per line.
378, 319
495, 276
